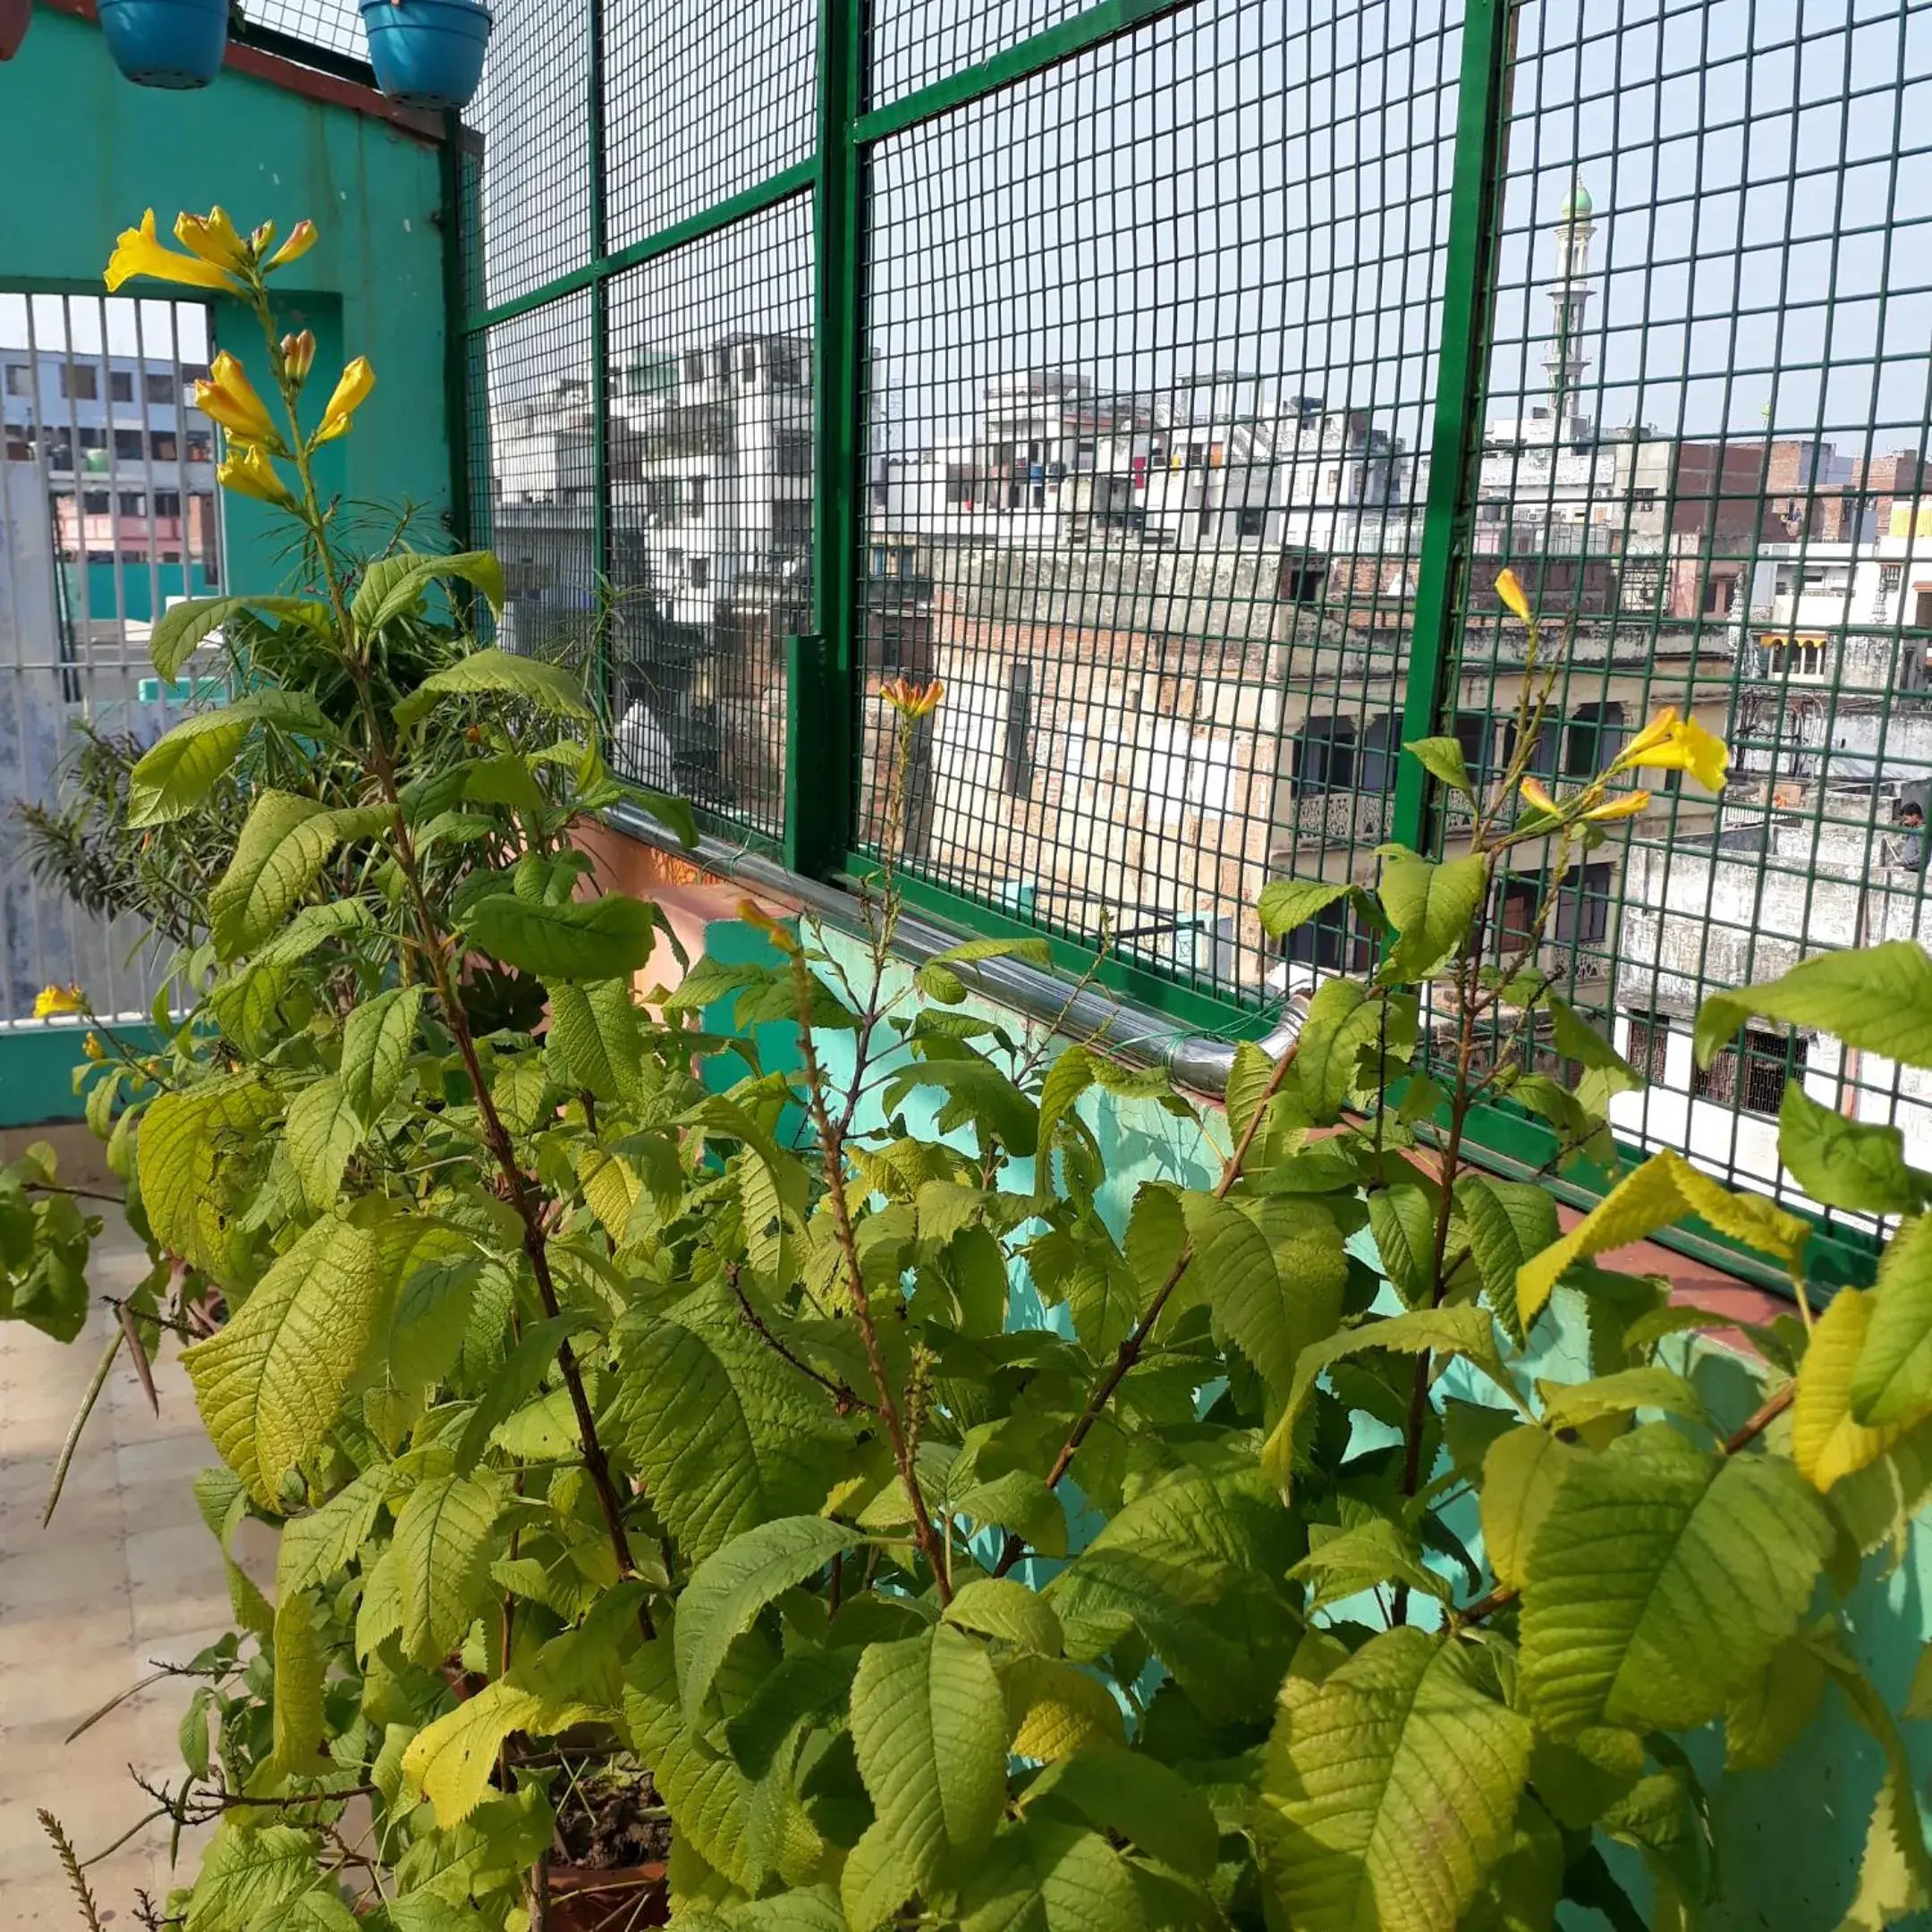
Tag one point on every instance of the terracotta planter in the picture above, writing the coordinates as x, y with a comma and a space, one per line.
584, 1899
14, 16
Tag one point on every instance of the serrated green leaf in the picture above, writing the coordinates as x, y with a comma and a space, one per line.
1143, 1799
978, 1094
1661, 1581
393, 586
606, 938
998, 1607
1341, 1019
182, 627
1570, 1405
1769, 1714
594, 1040
1442, 758
1843, 1163
1506, 1223
1661, 1191
284, 845
442, 1549
246, 1874
300, 1662
1520, 1474
1287, 903
318, 1545
722, 1434
1892, 1382
187, 1142
1828, 1443
377, 1039
320, 1910
450, 1762
1878, 999
1273, 1288
1056, 1710
269, 1385
1402, 1218
179, 770
929, 1724
321, 1133
495, 672
735, 1582
1391, 1788
1045, 1875
1430, 905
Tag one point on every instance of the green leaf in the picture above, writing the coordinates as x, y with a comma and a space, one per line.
1142, 1798
1272, 1291
1828, 1443
977, 1094
1893, 1381
451, 1761
182, 626
606, 938
1431, 907
179, 769
443, 1544
300, 1662
1769, 1713
998, 1607
247, 1873
1661, 1191
1442, 758
1570, 1405
1341, 1019
498, 673
1056, 1710
377, 1039
731, 1586
320, 1910
284, 845
187, 1141
1391, 1788
1878, 999
936, 981
1845, 1163
1508, 1223
1605, 1071
1044, 1875
317, 1546
1520, 1474
393, 586
929, 1723
593, 1040
1402, 1216
1663, 1578
722, 1434
1347, 1562
321, 1133
1287, 903
269, 1384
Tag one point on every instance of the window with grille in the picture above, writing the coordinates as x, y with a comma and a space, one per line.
1753, 1071
1650, 1047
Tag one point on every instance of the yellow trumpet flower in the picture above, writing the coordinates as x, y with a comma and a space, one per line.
298, 356
215, 238
52, 1000
261, 240
1672, 743
139, 252
1537, 799
912, 701
1626, 806
1511, 590
350, 393
249, 472
301, 238
230, 398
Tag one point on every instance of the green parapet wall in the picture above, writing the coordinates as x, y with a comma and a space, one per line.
84, 152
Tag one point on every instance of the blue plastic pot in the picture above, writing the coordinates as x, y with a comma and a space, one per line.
166, 43
427, 53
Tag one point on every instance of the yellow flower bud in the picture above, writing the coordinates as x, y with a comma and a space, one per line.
1513, 594
298, 356
301, 238
1626, 806
1537, 799
249, 472
213, 237
350, 393
230, 399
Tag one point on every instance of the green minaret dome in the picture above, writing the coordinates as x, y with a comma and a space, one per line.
1576, 204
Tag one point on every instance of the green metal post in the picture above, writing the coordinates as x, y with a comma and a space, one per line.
1482, 113
601, 693
820, 812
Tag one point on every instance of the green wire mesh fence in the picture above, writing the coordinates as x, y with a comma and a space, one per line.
1173, 381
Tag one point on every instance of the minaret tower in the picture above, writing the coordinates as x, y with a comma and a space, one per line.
1569, 297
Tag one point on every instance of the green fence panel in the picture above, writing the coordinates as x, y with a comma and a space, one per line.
1173, 381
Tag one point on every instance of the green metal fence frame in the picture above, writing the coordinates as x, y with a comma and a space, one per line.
826, 667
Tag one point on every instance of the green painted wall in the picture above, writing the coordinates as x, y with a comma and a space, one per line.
83, 152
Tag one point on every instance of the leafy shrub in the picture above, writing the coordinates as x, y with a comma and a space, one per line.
644, 1424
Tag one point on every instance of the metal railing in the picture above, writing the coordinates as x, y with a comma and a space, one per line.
1172, 381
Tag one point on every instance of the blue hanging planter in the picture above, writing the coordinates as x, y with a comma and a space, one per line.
166, 43
427, 53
